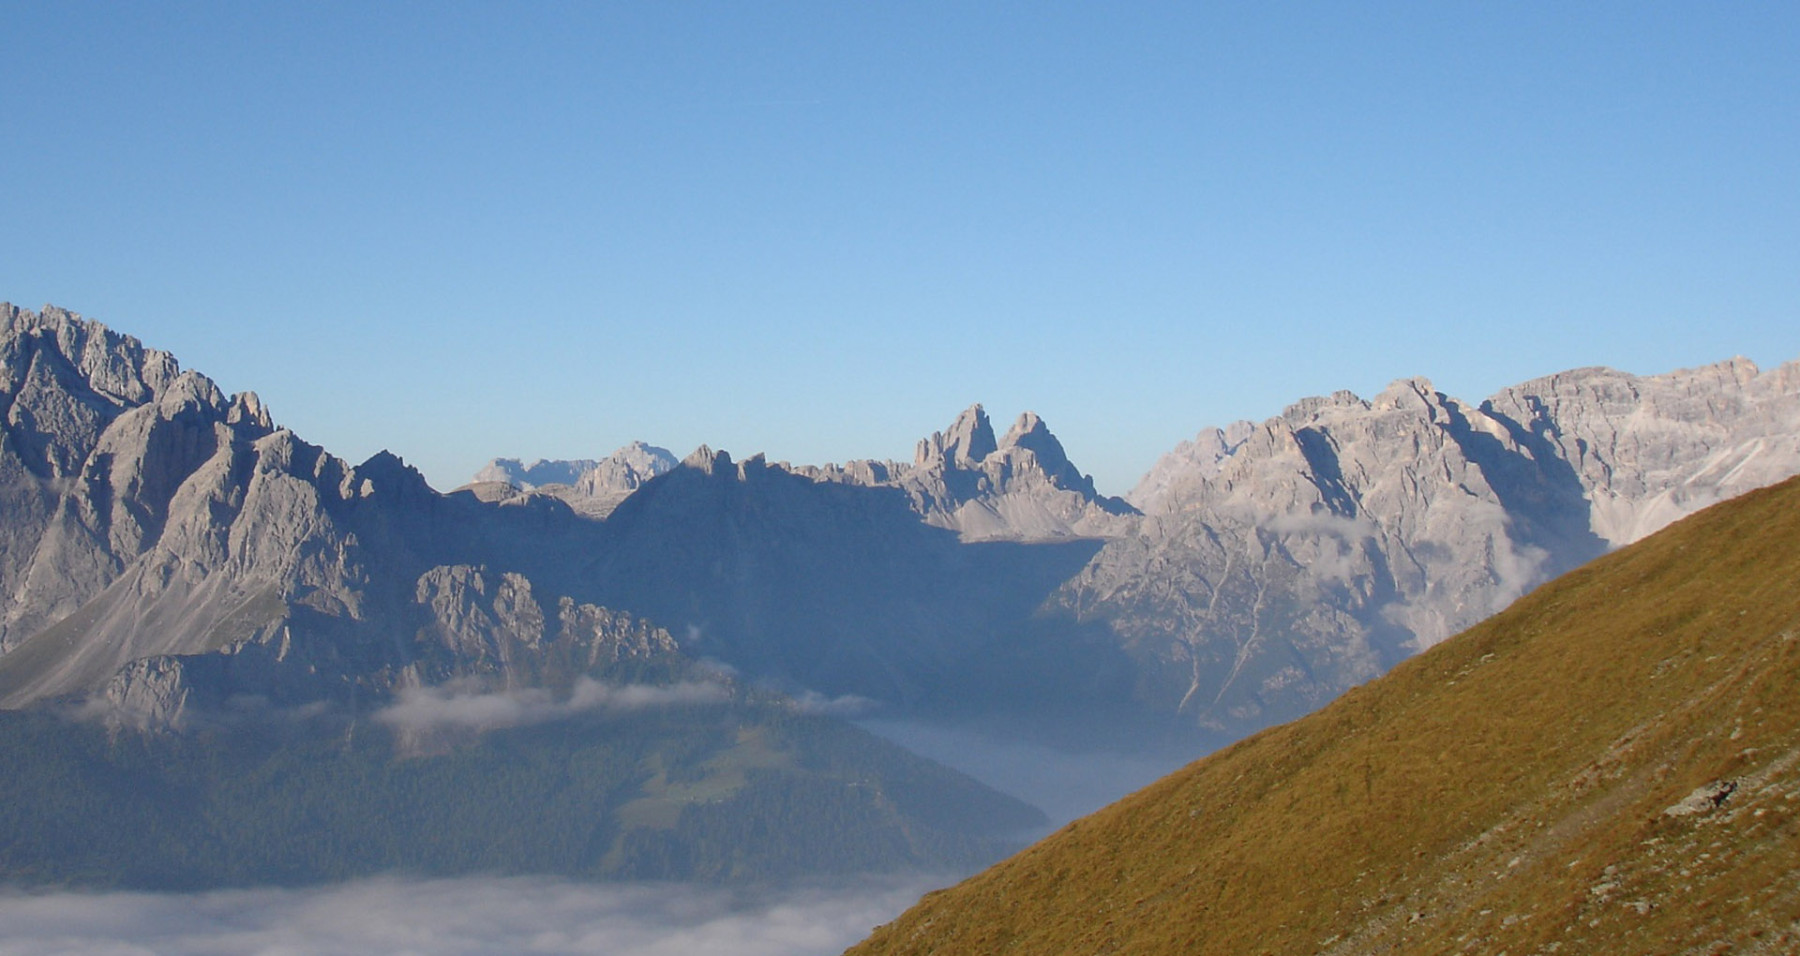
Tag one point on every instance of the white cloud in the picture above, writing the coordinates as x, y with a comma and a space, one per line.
462, 917
458, 707
848, 706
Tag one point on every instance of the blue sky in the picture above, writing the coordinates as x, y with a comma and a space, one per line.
819, 230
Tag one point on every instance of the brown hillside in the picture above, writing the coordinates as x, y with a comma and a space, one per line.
1610, 766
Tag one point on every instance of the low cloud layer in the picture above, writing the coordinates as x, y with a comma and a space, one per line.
453, 707
463, 917
848, 706
1062, 784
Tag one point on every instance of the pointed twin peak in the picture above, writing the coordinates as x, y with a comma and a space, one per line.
969, 441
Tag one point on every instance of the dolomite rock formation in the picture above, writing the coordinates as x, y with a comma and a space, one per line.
525, 477
479, 624
1650, 450
590, 488
1282, 563
166, 547
158, 532
1021, 487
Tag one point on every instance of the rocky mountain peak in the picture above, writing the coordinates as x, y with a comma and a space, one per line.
247, 409
709, 462
589, 487
1200, 459
525, 477
386, 473
1030, 433
625, 470
115, 367
968, 441
1415, 392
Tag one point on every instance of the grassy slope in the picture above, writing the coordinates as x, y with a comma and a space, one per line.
1505, 791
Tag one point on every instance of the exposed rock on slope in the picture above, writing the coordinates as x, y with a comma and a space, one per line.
174, 561
153, 523
1609, 766
591, 488
1648, 450
100, 435
512, 471
1021, 487
1279, 564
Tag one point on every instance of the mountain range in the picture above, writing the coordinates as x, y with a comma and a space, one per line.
1260, 570
171, 555
155, 525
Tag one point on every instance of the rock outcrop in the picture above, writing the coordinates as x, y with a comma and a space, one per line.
590, 488
1279, 564
525, 477
157, 530
1021, 487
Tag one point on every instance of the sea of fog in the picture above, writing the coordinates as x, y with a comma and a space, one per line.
459, 916
393, 915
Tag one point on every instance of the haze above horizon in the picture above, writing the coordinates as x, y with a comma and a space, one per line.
819, 231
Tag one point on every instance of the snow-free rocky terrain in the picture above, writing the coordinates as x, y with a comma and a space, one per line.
1256, 571
166, 546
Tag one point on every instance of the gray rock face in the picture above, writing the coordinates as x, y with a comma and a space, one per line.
1651, 450
100, 433
1021, 487
165, 531
512, 471
829, 586
1279, 564
591, 488
478, 624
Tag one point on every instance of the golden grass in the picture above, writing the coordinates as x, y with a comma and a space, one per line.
1504, 791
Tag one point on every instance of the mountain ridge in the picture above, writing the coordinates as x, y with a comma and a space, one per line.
1257, 572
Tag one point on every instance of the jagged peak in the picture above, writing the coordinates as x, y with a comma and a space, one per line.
637, 447
1408, 392
1303, 410
705, 460
190, 390
113, 364
969, 440
1027, 423
1031, 434
386, 472
247, 408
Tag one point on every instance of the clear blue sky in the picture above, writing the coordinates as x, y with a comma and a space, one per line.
819, 230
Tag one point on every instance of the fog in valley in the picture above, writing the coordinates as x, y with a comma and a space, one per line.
461, 917
1064, 783
545, 915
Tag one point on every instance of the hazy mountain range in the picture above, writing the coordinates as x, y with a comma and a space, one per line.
1262, 569
171, 556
